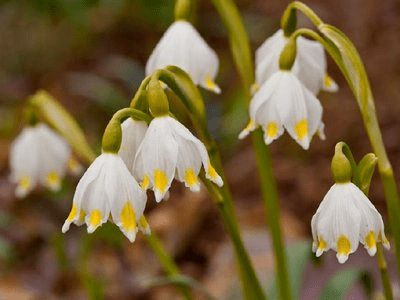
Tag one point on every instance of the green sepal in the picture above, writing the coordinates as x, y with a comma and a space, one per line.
157, 99
343, 163
288, 55
112, 137
183, 10
56, 116
366, 169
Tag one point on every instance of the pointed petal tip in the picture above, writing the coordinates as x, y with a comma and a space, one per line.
65, 227
371, 251
342, 258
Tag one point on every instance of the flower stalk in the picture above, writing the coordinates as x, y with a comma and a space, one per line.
347, 58
240, 47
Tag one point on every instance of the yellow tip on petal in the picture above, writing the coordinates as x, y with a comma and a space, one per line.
322, 245
160, 180
254, 88
301, 129
370, 243
95, 218
211, 85
145, 182
271, 129
53, 180
211, 172
128, 217
191, 178
343, 245
144, 225
328, 81
73, 213
82, 215
24, 185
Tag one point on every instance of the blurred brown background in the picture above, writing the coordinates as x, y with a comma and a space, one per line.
91, 56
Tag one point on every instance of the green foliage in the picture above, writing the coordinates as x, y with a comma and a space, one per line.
340, 284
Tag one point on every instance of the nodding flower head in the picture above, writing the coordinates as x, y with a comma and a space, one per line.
182, 46
170, 150
39, 156
310, 65
283, 102
344, 218
108, 191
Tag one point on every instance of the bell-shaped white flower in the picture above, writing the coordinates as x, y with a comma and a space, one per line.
132, 135
170, 150
107, 189
182, 46
38, 156
344, 218
284, 102
310, 65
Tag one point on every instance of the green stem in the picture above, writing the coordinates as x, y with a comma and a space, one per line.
223, 198
166, 261
240, 47
382, 265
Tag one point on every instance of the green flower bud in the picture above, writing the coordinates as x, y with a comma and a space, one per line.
288, 55
183, 10
366, 169
112, 137
341, 166
158, 101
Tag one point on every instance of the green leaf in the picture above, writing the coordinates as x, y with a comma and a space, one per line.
340, 284
60, 119
298, 254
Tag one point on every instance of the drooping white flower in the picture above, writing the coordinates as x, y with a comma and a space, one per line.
344, 218
132, 135
310, 65
169, 149
182, 46
107, 189
38, 156
284, 102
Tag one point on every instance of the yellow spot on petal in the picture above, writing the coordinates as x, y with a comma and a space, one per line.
72, 213
128, 217
211, 172
370, 241
250, 125
145, 182
82, 215
343, 245
210, 84
74, 166
383, 240
95, 218
321, 244
254, 88
160, 180
328, 81
301, 129
52, 179
271, 129
25, 183
190, 177
143, 223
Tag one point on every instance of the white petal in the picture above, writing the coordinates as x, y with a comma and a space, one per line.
182, 46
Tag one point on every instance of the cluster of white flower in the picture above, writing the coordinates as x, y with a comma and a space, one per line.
153, 155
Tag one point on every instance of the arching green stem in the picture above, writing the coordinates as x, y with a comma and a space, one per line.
241, 51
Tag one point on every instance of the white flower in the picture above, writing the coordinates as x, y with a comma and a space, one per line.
38, 156
107, 189
344, 218
310, 65
132, 135
182, 46
169, 149
284, 102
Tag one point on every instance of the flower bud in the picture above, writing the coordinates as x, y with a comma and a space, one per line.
341, 167
158, 101
288, 55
